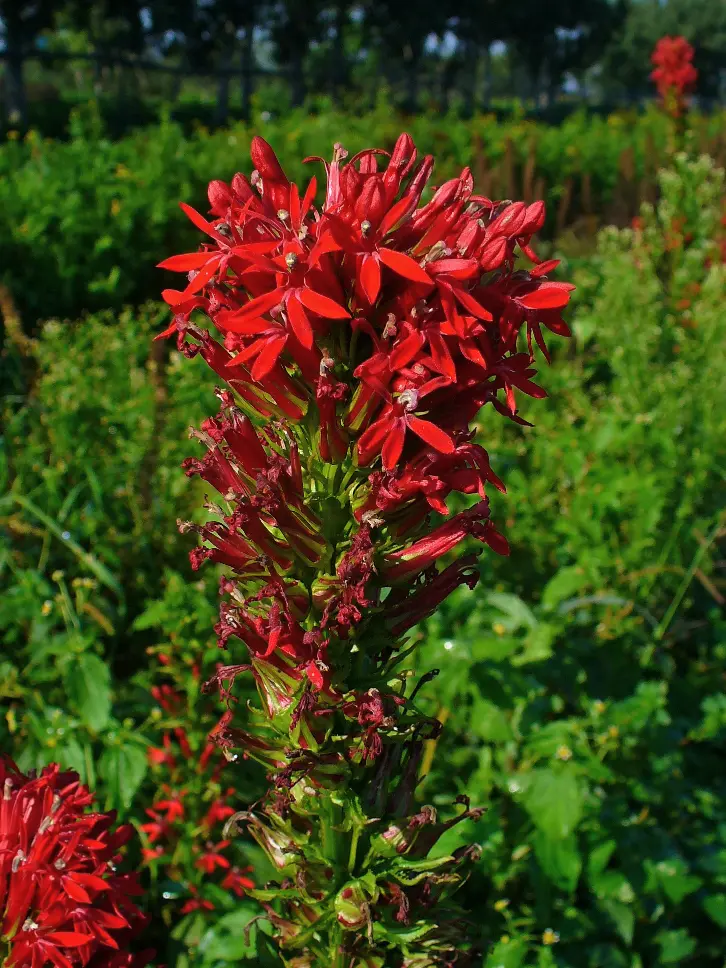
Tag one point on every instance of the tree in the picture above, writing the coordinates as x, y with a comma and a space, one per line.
478, 24
294, 25
400, 31
22, 21
562, 36
208, 35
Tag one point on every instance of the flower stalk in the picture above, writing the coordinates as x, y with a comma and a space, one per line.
355, 344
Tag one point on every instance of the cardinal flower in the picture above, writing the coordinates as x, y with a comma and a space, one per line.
62, 902
363, 340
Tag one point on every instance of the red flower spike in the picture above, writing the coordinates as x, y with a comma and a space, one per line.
674, 74
365, 340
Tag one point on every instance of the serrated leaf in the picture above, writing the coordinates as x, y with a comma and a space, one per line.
123, 768
88, 684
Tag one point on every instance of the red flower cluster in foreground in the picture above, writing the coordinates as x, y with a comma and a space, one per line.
61, 901
674, 74
375, 323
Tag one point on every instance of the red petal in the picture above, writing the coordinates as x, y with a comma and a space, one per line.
91, 880
322, 305
403, 265
172, 297
468, 302
76, 891
324, 245
370, 277
393, 445
544, 268
496, 541
171, 328
454, 268
183, 263
300, 323
371, 440
294, 205
249, 326
201, 222
260, 304
203, 276
69, 939
315, 675
247, 353
432, 434
492, 253
441, 356
404, 352
395, 214
308, 197
267, 358
550, 295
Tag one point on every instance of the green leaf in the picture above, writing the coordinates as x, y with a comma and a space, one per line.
509, 954
517, 614
565, 583
673, 878
537, 645
600, 857
93, 564
553, 799
88, 684
123, 768
675, 946
715, 908
559, 859
622, 916
490, 723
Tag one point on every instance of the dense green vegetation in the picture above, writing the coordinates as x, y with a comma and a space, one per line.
581, 683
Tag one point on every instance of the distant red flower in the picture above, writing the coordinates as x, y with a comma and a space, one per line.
196, 903
212, 858
674, 74
237, 881
61, 901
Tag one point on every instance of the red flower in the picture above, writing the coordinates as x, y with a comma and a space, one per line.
212, 858
196, 903
218, 813
236, 881
674, 74
367, 335
61, 901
